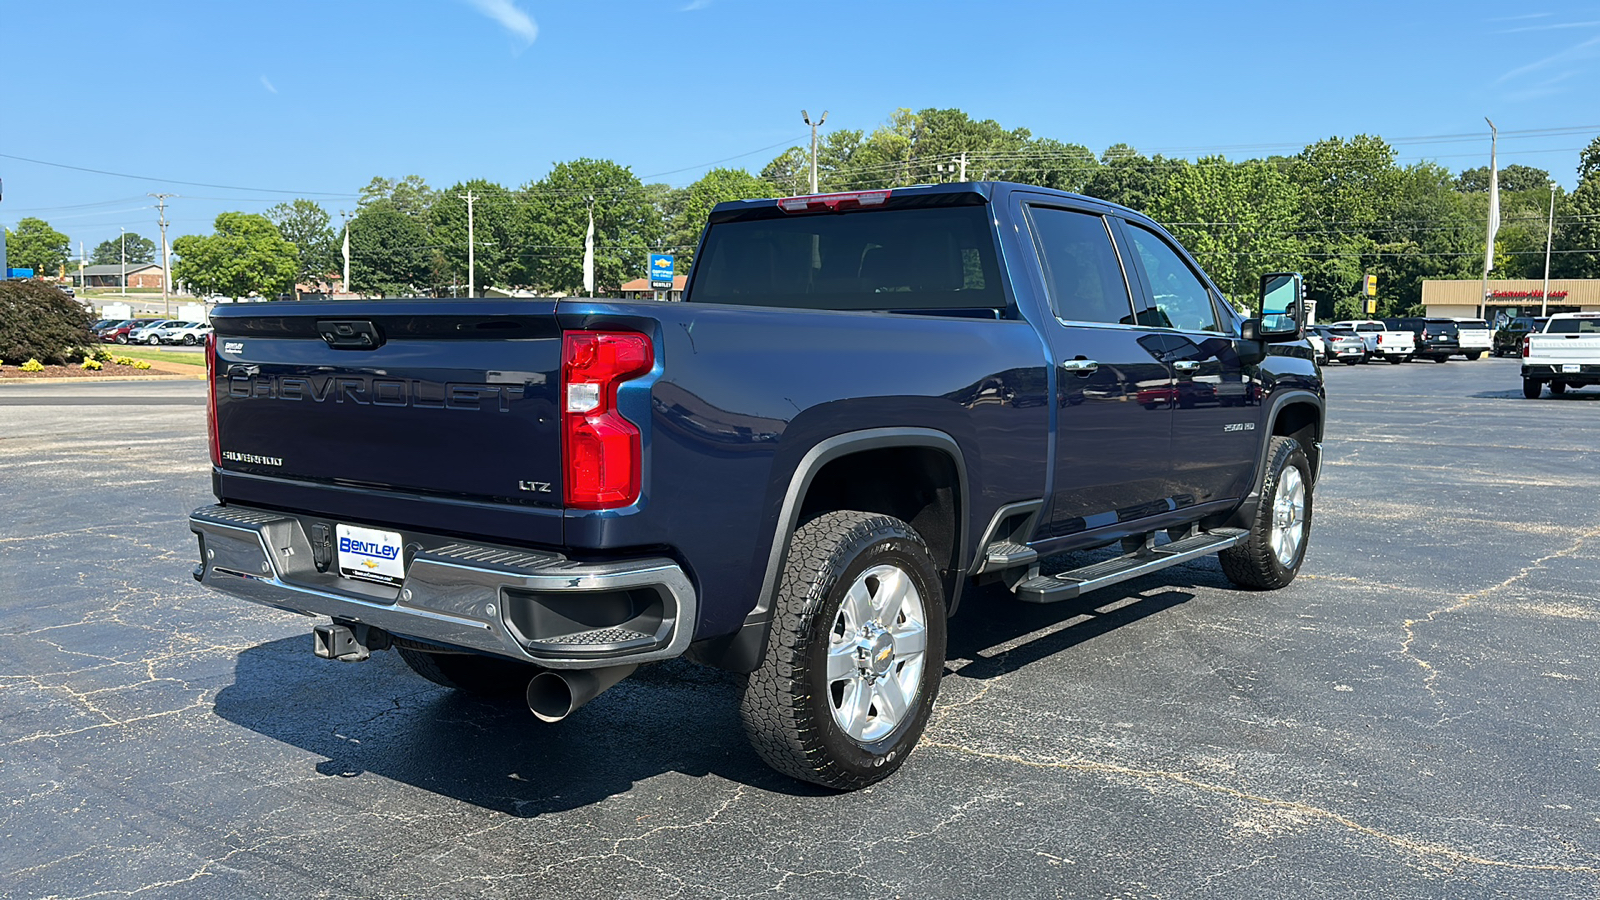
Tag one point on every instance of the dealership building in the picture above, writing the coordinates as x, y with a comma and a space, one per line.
1509, 298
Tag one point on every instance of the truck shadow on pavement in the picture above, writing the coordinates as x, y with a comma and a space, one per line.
1575, 395
377, 717
994, 634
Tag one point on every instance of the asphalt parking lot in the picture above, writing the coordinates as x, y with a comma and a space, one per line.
1414, 717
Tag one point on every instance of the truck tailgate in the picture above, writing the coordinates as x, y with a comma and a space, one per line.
450, 399
1546, 348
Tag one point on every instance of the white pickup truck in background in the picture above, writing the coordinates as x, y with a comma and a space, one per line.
1396, 346
1475, 337
1566, 354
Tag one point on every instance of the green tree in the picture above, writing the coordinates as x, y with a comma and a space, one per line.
555, 213
1512, 178
244, 255
494, 228
410, 195
1347, 190
716, 186
1127, 177
37, 246
1578, 242
389, 251
1429, 232
109, 253
1237, 219
307, 225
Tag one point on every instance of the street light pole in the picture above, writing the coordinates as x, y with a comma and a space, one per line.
166, 258
1549, 239
814, 126
124, 262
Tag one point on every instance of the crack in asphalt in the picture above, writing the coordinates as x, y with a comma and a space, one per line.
1430, 672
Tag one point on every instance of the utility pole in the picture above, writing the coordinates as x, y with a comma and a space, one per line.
1494, 213
124, 262
814, 126
346, 216
166, 258
83, 281
1549, 239
957, 164
472, 258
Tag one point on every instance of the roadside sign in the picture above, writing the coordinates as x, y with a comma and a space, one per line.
1372, 306
1370, 285
19, 273
660, 274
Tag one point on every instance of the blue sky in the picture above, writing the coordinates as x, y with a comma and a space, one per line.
315, 98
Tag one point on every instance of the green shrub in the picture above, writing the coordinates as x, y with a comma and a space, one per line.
38, 322
99, 354
32, 365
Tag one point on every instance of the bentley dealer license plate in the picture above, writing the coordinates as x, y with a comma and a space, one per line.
370, 555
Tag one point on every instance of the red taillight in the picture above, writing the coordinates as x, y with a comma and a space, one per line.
1526, 345
211, 400
602, 452
833, 201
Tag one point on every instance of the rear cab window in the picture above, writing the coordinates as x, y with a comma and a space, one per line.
916, 258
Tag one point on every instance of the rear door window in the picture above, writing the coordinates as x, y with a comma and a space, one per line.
1081, 271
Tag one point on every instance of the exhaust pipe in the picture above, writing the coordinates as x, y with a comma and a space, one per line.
555, 695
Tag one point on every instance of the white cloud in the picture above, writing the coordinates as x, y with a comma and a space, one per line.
1583, 50
1594, 24
268, 85
512, 19
693, 5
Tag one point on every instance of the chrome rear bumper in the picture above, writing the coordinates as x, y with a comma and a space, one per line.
523, 604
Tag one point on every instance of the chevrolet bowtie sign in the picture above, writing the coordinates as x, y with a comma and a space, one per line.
660, 273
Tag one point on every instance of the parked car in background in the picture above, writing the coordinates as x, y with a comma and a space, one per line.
118, 332
1343, 344
67, 289
1395, 345
1566, 354
1508, 337
187, 333
1474, 337
1319, 347
1436, 338
146, 333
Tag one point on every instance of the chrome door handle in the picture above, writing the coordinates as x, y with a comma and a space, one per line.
1185, 366
1081, 367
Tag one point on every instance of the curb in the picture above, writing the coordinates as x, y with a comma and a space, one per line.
107, 379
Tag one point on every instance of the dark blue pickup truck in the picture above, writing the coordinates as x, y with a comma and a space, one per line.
866, 403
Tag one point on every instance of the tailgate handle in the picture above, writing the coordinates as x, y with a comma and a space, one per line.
350, 334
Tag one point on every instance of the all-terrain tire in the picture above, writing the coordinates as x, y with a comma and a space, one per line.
1265, 560
1531, 388
471, 673
791, 708
1557, 388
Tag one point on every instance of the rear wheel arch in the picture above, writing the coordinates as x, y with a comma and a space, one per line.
926, 487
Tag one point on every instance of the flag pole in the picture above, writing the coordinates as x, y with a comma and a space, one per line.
1494, 219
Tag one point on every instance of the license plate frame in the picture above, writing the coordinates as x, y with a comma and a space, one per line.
370, 554
1572, 368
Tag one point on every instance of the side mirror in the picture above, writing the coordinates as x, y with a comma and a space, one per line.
1282, 310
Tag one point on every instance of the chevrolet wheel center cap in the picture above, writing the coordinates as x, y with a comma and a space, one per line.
882, 653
